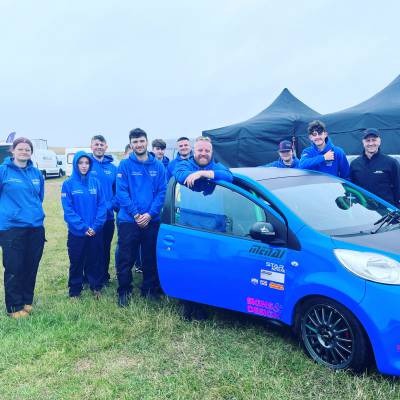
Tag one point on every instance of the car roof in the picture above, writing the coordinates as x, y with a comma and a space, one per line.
260, 173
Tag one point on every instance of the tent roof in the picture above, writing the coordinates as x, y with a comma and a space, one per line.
277, 117
380, 111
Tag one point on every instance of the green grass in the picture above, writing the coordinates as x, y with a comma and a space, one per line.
91, 349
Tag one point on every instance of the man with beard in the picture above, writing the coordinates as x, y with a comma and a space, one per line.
141, 188
198, 171
376, 172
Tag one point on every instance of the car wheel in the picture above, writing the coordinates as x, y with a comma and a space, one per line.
332, 336
44, 174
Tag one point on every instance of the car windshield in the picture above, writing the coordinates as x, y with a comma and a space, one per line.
327, 204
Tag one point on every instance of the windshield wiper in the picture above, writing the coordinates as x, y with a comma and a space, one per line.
392, 217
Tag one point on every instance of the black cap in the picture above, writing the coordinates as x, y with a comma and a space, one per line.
371, 132
285, 145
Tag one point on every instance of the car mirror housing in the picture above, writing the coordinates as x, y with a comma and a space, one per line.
263, 231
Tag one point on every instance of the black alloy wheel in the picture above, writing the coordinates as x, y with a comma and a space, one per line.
332, 336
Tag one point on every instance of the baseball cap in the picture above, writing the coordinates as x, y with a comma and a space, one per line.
371, 132
285, 145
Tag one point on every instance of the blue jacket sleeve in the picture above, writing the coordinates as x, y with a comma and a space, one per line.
101, 213
307, 161
70, 216
161, 190
124, 198
182, 171
222, 173
344, 167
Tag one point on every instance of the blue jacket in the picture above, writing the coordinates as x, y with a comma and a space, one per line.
172, 165
187, 167
83, 200
164, 161
313, 159
106, 173
141, 187
280, 164
21, 196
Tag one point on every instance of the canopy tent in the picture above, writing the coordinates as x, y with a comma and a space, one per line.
381, 111
255, 141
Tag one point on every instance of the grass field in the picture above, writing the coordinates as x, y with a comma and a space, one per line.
90, 349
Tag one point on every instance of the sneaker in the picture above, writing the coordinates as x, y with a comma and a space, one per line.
28, 308
18, 314
123, 300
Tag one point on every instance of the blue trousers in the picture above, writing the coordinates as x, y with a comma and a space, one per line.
86, 255
130, 239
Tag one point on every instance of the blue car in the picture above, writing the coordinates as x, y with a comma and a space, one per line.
310, 250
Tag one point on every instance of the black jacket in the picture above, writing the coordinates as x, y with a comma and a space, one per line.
379, 175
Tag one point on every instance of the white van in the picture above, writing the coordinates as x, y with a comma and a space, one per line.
44, 159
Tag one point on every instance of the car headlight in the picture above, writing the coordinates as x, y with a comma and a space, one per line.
371, 266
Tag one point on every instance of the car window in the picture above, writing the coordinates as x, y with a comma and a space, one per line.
217, 209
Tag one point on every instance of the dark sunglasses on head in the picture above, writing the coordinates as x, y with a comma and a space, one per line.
318, 130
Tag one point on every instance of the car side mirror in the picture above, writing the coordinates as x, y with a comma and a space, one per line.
263, 231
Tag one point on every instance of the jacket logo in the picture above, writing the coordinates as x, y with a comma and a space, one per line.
153, 173
93, 191
378, 172
136, 173
36, 181
78, 191
14, 180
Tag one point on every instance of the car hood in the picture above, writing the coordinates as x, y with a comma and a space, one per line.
385, 241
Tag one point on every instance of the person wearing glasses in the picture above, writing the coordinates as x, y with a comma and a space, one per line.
322, 155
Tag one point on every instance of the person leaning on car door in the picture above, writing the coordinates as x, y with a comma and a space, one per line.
22, 233
375, 171
198, 173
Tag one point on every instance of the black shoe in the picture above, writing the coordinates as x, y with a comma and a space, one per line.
123, 300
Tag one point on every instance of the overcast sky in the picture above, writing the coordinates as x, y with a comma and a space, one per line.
71, 69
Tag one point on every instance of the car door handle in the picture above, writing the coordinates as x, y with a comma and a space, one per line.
169, 240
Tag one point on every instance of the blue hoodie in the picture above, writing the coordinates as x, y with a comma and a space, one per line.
172, 165
280, 164
21, 196
83, 200
141, 187
164, 161
187, 167
313, 159
106, 173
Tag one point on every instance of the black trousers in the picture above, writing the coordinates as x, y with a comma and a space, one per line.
22, 252
130, 239
86, 255
108, 233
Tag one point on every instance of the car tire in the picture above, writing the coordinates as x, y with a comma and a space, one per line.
332, 336
44, 175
